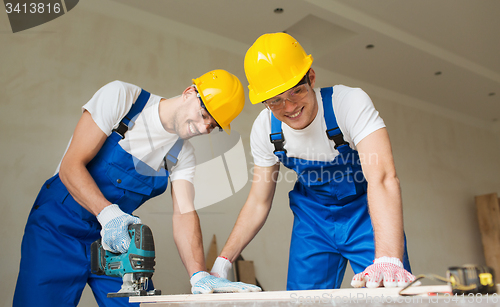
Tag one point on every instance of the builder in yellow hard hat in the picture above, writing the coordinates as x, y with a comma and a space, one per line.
345, 208
126, 145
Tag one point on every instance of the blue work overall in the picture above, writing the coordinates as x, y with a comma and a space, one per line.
329, 203
55, 251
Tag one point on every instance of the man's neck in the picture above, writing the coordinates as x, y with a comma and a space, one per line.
167, 110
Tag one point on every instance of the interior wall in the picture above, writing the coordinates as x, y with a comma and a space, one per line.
50, 71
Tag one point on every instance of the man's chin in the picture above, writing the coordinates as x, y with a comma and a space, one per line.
296, 125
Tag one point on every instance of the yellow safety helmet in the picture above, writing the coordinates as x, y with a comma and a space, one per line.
223, 96
275, 63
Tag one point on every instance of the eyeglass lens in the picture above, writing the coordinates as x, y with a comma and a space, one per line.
294, 94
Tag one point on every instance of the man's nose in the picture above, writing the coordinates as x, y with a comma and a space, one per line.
204, 128
289, 105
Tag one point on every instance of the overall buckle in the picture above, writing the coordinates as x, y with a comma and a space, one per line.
337, 138
121, 129
277, 140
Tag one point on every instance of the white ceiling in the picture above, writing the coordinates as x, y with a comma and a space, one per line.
413, 39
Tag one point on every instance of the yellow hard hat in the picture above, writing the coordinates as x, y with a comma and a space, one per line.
223, 96
275, 63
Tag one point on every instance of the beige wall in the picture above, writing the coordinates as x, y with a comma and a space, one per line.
443, 159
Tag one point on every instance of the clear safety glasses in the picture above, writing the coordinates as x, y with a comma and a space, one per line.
208, 120
295, 94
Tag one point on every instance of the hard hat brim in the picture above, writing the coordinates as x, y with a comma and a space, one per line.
256, 98
227, 128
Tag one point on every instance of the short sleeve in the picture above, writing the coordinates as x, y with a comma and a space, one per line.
261, 147
186, 165
111, 103
357, 114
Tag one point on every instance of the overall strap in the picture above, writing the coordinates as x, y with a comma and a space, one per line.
170, 159
276, 136
127, 123
333, 131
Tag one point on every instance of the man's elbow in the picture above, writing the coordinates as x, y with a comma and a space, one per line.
391, 179
386, 180
64, 171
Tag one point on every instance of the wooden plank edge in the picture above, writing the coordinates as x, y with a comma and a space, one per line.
288, 295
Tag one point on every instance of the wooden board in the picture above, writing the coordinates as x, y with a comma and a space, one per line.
488, 214
361, 294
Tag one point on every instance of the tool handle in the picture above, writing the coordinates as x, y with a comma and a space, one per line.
96, 258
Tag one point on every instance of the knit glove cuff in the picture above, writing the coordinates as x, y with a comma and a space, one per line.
221, 267
108, 213
386, 259
197, 277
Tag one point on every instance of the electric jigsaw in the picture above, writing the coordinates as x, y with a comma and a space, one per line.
136, 266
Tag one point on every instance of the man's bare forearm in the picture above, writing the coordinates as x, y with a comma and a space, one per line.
83, 188
254, 213
250, 220
189, 241
384, 200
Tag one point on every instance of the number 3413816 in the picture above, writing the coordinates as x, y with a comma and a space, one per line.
32, 8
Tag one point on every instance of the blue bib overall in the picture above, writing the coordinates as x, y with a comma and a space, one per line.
329, 203
55, 251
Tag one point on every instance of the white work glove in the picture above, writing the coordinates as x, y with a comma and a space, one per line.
202, 283
221, 267
385, 271
114, 233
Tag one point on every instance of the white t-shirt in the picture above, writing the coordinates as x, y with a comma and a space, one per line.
147, 140
356, 117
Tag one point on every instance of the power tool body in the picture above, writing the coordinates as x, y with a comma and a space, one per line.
135, 267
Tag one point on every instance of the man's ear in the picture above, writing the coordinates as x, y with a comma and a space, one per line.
190, 90
312, 77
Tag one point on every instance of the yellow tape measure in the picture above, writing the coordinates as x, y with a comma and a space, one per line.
471, 279
465, 279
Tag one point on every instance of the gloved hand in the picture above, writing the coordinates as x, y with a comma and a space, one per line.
221, 267
385, 271
202, 283
114, 233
